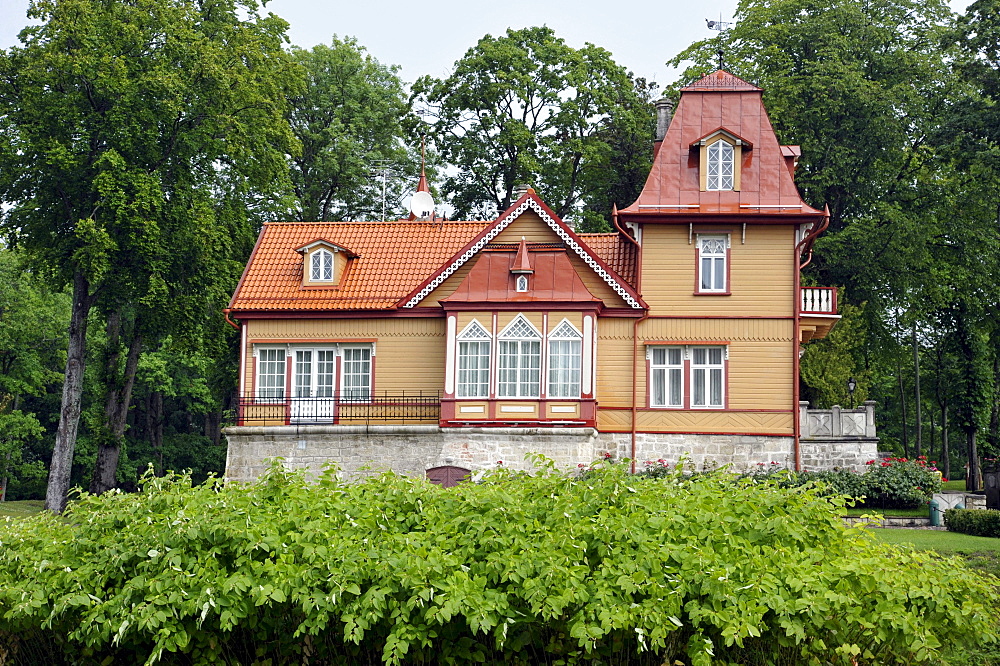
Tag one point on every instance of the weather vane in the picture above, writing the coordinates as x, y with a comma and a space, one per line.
721, 26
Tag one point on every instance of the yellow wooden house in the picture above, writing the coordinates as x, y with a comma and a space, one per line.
441, 347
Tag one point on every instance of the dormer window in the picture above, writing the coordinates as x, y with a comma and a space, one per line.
721, 166
322, 266
721, 154
522, 283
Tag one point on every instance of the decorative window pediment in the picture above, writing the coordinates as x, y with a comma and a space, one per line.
721, 156
323, 262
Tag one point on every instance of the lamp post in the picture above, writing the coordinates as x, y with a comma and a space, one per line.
851, 385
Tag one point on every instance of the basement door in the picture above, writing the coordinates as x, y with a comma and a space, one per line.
448, 475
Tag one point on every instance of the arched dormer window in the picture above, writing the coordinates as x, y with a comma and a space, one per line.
721, 166
321, 266
721, 157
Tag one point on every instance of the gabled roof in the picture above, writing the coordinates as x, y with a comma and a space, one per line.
747, 145
528, 201
617, 252
325, 243
553, 280
394, 258
672, 192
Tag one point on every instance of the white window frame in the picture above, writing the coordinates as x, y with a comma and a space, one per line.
706, 371
521, 355
714, 262
476, 336
364, 388
521, 283
270, 391
666, 372
564, 380
720, 163
321, 265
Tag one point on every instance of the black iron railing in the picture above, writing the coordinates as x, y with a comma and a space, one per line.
384, 408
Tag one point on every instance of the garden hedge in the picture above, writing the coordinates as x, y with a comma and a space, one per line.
546, 569
977, 522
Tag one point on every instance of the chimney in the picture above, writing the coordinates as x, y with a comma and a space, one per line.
664, 110
520, 190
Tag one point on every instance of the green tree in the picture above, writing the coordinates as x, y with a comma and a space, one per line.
527, 108
349, 122
124, 122
32, 333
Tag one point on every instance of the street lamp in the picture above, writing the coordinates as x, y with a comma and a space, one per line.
851, 385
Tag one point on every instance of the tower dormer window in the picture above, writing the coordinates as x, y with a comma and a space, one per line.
522, 283
322, 266
721, 166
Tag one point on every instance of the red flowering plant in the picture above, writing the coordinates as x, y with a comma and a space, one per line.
896, 483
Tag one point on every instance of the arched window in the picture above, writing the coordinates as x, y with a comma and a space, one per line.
519, 350
474, 362
565, 344
522, 283
721, 166
322, 266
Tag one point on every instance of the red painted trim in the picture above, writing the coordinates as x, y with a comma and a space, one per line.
688, 217
702, 343
605, 408
775, 318
337, 314
525, 306
289, 360
246, 269
689, 432
688, 383
283, 341
697, 268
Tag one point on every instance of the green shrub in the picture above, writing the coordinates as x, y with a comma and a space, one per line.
977, 522
605, 568
899, 483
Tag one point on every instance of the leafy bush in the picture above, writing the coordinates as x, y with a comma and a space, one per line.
603, 568
897, 483
977, 522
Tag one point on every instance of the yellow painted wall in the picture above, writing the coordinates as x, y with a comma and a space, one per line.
693, 421
761, 271
409, 353
759, 365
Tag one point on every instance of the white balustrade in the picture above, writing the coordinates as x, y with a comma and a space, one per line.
819, 299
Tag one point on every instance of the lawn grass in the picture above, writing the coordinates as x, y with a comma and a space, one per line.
953, 485
942, 542
21, 508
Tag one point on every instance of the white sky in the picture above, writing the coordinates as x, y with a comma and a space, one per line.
428, 36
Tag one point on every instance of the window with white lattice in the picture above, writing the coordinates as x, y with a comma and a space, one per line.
565, 349
519, 360
713, 259
321, 266
356, 373
720, 163
474, 362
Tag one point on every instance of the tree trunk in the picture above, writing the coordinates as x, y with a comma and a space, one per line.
974, 480
994, 433
155, 422
945, 453
930, 446
918, 442
72, 397
117, 401
902, 410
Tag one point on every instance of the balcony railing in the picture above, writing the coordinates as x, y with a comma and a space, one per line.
384, 408
819, 300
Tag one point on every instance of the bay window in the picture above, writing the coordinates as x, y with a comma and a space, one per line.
565, 348
474, 362
519, 356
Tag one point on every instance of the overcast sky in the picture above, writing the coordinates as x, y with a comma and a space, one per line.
428, 36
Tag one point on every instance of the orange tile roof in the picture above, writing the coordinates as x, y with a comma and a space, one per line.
617, 252
393, 259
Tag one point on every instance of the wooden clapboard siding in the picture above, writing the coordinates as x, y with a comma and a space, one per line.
761, 275
409, 352
614, 363
697, 422
760, 375
756, 330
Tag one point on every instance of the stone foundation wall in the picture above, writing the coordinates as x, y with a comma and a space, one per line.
847, 453
362, 450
